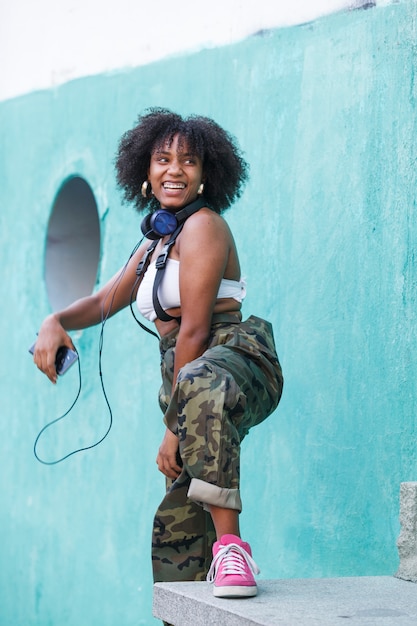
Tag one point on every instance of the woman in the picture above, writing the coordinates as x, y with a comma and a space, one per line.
220, 376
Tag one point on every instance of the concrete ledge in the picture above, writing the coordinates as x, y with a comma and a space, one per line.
407, 540
356, 601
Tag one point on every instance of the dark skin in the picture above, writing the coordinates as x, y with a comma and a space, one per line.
207, 253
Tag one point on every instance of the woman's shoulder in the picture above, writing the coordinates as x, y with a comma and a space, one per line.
206, 221
205, 234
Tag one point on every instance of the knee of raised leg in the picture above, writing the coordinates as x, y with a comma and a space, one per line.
199, 368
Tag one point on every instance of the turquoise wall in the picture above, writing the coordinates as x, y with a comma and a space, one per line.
327, 234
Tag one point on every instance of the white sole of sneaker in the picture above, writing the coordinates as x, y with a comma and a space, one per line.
234, 592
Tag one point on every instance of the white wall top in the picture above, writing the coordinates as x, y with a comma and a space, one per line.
45, 43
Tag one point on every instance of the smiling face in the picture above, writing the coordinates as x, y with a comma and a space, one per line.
175, 174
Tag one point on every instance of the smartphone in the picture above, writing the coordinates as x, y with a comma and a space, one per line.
65, 357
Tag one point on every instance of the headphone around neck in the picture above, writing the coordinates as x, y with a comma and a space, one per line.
163, 222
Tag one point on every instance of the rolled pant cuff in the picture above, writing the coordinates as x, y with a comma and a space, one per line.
207, 494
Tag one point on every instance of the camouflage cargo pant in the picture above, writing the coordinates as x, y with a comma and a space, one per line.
218, 397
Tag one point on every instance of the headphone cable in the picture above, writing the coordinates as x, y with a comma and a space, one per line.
104, 319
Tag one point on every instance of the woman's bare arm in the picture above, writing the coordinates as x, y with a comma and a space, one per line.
83, 313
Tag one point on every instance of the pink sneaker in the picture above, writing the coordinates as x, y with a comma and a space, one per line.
232, 569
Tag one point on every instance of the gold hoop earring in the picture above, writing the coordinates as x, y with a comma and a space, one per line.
145, 187
200, 189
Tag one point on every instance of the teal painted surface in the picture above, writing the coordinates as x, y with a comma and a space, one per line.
327, 234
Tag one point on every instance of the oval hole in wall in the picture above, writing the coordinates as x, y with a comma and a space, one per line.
72, 245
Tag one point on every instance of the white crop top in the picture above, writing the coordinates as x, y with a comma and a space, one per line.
169, 289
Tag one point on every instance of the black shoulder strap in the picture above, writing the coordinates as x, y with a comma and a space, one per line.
144, 262
160, 264
141, 268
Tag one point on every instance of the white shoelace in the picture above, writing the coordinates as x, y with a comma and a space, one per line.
233, 559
